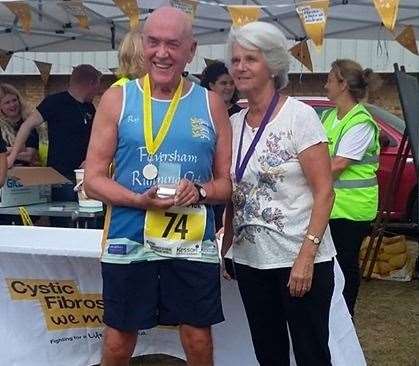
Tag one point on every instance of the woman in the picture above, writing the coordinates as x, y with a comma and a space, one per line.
354, 148
282, 197
13, 111
215, 77
3, 162
130, 58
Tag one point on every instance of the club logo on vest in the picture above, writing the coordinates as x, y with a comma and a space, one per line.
200, 128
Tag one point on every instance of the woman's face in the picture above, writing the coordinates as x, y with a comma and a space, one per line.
249, 69
10, 106
334, 87
224, 87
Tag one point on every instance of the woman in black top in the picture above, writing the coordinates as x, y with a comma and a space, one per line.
215, 77
13, 111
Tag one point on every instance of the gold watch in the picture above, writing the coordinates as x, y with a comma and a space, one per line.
315, 239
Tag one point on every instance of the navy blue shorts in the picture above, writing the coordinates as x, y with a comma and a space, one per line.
143, 295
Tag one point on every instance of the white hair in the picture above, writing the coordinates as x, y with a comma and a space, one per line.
270, 41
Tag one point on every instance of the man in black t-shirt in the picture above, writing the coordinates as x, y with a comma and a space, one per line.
69, 116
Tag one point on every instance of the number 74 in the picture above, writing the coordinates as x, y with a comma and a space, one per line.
180, 224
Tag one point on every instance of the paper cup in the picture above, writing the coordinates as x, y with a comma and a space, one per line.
84, 201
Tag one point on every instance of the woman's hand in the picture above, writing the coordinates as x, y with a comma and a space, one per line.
301, 275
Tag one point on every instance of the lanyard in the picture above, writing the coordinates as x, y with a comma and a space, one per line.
152, 145
240, 168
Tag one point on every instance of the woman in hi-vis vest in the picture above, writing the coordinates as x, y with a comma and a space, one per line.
354, 149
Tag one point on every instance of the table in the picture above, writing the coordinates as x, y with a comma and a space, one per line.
60, 209
51, 309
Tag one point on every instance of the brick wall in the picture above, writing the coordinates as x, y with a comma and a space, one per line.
307, 84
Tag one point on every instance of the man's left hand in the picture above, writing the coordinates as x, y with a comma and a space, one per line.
186, 193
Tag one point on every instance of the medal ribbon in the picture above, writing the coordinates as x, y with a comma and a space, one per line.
240, 168
152, 145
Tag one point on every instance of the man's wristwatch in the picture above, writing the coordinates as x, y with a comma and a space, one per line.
315, 239
201, 192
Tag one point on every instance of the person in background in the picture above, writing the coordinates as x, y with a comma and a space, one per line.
13, 111
216, 78
3, 162
354, 148
69, 116
130, 58
282, 197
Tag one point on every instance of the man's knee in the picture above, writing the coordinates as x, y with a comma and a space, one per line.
196, 340
118, 344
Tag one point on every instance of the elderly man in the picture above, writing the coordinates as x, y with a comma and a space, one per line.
169, 141
69, 115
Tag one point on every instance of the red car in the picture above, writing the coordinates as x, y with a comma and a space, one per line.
405, 204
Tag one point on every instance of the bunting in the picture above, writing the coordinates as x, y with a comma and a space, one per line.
188, 6
388, 10
22, 12
313, 15
131, 10
408, 40
302, 53
4, 60
209, 61
77, 10
241, 15
45, 70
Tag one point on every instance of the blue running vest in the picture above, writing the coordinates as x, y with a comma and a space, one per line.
190, 142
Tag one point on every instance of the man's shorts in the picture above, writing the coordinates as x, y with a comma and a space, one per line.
145, 294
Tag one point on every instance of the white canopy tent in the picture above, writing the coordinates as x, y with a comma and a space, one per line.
53, 29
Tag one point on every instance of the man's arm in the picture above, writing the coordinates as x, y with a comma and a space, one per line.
103, 141
339, 164
219, 190
34, 120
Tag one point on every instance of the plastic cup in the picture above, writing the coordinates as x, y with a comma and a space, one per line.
84, 201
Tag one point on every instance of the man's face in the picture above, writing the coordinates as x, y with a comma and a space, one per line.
93, 89
167, 50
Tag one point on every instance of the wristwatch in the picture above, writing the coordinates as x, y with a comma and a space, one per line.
315, 239
201, 192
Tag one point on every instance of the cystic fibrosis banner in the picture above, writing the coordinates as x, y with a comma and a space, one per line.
242, 15
387, 9
188, 6
22, 12
313, 15
77, 10
130, 9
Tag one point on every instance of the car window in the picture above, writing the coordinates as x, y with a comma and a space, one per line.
387, 117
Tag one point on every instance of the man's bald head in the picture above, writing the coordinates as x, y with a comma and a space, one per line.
168, 15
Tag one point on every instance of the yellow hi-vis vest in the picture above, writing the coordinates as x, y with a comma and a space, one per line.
356, 189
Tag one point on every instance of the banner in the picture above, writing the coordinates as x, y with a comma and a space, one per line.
301, 52
22, 12
77, 10
4, 60
45, 69
313, 15
130, 9
188, 6
408, 40
388, 10
242, 15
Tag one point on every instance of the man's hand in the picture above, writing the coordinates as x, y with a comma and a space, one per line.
186, 193
150, 200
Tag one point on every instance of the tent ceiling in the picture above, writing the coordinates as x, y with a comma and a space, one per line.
54, 30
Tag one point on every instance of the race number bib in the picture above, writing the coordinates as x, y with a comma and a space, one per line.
177, 232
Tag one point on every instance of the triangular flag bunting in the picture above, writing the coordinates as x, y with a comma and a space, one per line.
387, 9
407, 39
209, 61
45, 69
242, 15
188, 6
77, 10
313, 15
4, 60
301, 52
130, 9
22, 12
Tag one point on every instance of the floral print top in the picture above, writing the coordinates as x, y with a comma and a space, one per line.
272, 203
